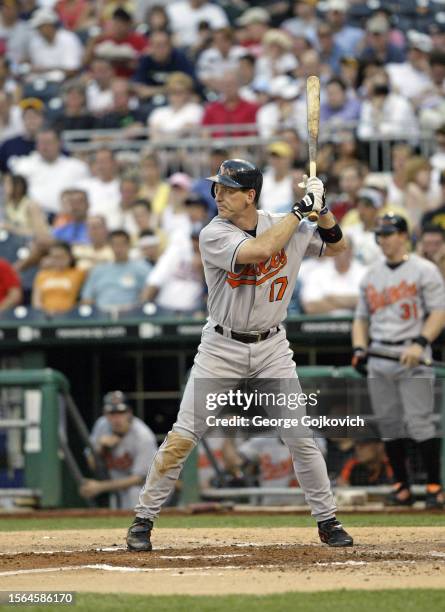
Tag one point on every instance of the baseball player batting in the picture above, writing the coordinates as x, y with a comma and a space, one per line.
402, 307
251, 260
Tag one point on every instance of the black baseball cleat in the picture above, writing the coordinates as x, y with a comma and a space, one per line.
399, 497
434, 499
331, 532
138, 535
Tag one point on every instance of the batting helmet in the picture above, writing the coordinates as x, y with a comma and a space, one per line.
115, 401
390, 224
239, 174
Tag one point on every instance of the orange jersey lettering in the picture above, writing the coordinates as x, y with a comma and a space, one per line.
257, 274
390, 295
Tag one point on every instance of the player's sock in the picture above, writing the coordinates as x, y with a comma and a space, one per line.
395, 450
430, 451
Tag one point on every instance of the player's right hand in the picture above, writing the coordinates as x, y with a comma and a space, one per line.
359, 361
310, 202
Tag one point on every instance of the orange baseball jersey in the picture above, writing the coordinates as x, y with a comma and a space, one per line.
252, 297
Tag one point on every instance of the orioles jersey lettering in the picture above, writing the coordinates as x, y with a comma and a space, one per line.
389, 295
257, 274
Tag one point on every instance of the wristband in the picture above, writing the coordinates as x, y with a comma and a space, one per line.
422, 341
331, 235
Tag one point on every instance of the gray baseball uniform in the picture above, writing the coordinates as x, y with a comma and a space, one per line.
242, 298
396, 302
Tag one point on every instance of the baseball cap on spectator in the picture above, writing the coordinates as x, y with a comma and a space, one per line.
122, 15
377, 25
34, 103
284, 86
341, 6
181, 180
418, 40
371, 196
277, 37
253, 15
44, 16
115, 401
280, 148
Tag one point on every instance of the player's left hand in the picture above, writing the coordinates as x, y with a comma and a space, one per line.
411, 356
316, 186
90, 488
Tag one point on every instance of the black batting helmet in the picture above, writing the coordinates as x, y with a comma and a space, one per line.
390, 224
239, 174
115, 401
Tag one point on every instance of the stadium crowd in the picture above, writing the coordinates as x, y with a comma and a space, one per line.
112, 113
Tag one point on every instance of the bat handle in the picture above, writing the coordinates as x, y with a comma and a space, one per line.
313, 216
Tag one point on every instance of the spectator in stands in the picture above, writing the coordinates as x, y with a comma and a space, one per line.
437, 160
181, 114
10, 117
186, 15
350, 183
129, 190
385, 113
198, 211
56, 288
411, 79
246, 73
223, 55
48, 171
139, 218
340, 106
418, 198
10, 288
153, 187
277, 192
116, 286
254, 23
99, 94
329, 50
158, 63
332, 287
124, 111
348, 38
75, 231
281, 111
97, 250
277, 57
229, 109
432, 245
202, 187
75, 15
74, 115
379, 46
436, 217
156, 18
149, 245
176, 283
174, 217
305, 21
14, 32
122, 45
52, 47
368, 467
400, 155
23, 217
103, 188
349, 72
23, 144
126, 445
362, 235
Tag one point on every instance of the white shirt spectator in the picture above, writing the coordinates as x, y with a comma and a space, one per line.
98, 100
276, 196
15, 124
104, 198
168, 120
407, 80
47, 180
211, 62
395, 119
366, 250
267, 69
185, 19
180, 284
271, 118
65, 52
324, 280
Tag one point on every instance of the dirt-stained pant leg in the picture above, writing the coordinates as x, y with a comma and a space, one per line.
273, 359
217, 358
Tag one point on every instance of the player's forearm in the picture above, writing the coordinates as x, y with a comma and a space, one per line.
360, 335
327, 221
272, 240
433, 325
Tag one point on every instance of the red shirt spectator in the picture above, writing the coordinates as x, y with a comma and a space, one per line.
73, 13
10, 289
231, 109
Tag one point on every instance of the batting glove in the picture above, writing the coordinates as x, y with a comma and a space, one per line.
308, 204
359, 361
315, 185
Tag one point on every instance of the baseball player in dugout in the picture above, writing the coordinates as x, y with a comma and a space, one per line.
401, 309
251, 261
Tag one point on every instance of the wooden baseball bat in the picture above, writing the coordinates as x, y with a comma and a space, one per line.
392, 356
313, 122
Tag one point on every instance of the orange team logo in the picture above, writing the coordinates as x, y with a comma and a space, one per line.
257, 274
389, 295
